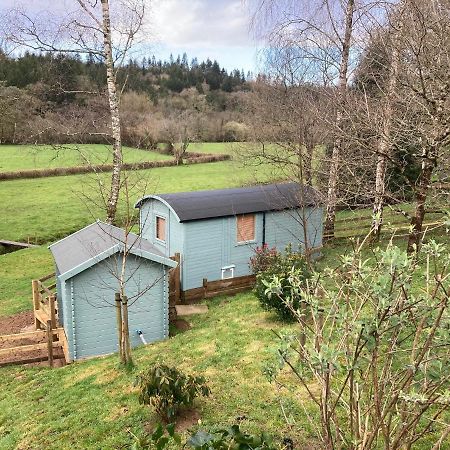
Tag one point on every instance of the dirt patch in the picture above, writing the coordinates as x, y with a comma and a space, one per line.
181, 325
20, 323
187, 419
17, 323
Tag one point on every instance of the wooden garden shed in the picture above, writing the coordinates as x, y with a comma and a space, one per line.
88, 265
216, 232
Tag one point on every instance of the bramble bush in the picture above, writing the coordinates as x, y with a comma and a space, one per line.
290, 268
168, 390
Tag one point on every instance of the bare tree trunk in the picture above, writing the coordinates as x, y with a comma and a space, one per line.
308, 169
115, 115
384, 143
423, 185
337, 147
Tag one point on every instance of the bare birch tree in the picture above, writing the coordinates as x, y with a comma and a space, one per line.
318, 43
86, 30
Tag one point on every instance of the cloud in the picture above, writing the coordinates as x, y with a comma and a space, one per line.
201, 23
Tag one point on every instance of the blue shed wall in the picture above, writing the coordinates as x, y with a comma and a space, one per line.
174, 229
93, 330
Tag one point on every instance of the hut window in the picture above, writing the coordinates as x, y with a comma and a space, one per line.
245, 228
160, 228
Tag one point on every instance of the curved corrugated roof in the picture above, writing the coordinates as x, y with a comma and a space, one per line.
229, 202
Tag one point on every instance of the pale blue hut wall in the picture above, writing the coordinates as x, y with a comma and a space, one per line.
93, 330
286, 227
211, 244
174, 229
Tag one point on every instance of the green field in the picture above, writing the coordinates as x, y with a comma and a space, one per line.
93, 404
21, 157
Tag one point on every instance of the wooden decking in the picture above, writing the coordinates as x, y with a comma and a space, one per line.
48, 342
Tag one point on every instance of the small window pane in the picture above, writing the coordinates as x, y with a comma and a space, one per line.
246, 228
161, 228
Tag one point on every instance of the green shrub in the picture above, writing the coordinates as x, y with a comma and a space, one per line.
168, 390
230, 439
284, 267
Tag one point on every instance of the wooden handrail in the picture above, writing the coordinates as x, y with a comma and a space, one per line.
38, 334
47, 277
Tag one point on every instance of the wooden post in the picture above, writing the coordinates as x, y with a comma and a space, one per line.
205, 287
119, 323
174, 287
126, 331
51, 302
50, 342
177, 276
35, 291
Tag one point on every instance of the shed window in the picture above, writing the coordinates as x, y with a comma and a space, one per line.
160, 228
245, 228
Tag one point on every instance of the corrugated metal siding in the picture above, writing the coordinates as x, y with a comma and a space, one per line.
95, 329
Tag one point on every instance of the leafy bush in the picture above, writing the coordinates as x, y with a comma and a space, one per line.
168, 390
379, 349
263, 258
289, 269
158, 440
230, 439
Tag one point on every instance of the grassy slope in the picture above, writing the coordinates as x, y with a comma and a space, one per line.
17, 157
41, 408
45, 209
16, 272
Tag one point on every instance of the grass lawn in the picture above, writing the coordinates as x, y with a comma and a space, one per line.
19, 157
17, 269
53, 409
45, 209
91, 405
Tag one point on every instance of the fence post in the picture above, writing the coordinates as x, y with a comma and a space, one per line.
205, 287
50, 343
177, 275
35, 292
51, 302
174, 287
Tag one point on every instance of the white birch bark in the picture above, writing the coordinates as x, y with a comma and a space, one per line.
337, 147
385, 143
113, 197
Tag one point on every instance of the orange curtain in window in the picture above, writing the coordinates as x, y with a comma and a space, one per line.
246, 228
161, 228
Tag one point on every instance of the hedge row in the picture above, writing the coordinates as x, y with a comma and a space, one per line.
74, 170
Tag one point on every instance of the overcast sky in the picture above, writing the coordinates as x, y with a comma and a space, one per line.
218, 29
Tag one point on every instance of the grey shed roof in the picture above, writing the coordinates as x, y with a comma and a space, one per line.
94, 240
229, 202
